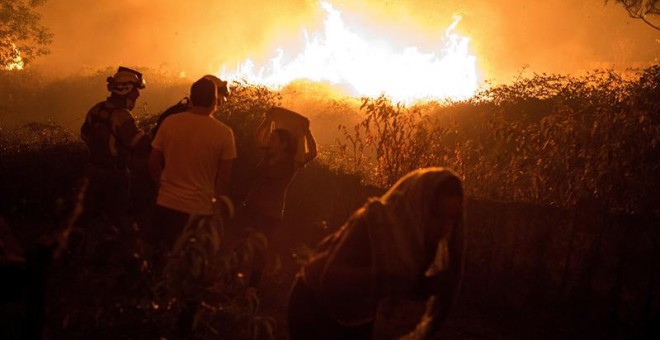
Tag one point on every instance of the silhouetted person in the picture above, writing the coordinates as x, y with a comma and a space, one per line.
113, 138
407, 243
184, 104
191, 161
263, 209
24, 280
114, 142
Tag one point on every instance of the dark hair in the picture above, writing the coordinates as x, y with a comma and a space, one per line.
286, 138
221, 86
203, 93
449, 187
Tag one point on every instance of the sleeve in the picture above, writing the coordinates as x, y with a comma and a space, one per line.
124, 127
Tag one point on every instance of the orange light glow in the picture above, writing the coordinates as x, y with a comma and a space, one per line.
370, 67
17, 62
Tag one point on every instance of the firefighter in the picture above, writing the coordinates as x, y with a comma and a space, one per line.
113, 140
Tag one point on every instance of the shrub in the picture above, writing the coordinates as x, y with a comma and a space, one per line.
548, 139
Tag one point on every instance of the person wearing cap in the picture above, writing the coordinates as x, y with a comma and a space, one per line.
191, 160
191, 163
184, 104
113, 140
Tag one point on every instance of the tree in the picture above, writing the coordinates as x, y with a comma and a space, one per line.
642, 9
22, 37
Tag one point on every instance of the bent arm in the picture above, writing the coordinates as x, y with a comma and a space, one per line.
311, 144
130, 134
443, 289
261, 135
438, 307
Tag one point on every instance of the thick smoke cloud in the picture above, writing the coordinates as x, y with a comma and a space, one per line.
199, 36
188, 36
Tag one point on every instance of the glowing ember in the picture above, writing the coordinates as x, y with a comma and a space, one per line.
16, 62
371, 67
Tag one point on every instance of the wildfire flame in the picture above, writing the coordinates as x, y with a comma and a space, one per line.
370, 67
16, 63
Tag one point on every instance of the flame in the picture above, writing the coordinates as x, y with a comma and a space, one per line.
371, 67
16, 63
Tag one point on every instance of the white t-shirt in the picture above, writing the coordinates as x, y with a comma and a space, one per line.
192, 147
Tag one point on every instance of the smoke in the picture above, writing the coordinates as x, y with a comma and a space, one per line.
198, 37
194, 37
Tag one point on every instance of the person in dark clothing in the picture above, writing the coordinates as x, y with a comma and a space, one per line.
264, 207
24, 278
106, 239
407, 243
113, 140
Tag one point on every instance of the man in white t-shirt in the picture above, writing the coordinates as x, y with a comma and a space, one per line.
191, 160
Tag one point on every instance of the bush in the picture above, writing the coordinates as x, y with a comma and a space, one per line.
548, 139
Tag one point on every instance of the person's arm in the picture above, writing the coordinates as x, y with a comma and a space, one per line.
156, 163
261, 135
443, 290
130, 134
311, 144
223, 171
222, 177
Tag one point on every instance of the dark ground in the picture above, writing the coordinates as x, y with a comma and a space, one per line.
74, 290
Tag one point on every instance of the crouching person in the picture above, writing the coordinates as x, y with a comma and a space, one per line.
407, 243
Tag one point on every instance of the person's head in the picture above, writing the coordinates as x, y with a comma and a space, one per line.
203, 93
125, 84
281, 141
446, 209
429, 203
222, 88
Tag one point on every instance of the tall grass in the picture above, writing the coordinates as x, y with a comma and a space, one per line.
546, 139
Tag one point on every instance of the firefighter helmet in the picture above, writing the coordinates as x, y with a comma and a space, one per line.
125, 80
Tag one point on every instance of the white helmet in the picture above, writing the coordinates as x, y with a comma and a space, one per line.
125, 80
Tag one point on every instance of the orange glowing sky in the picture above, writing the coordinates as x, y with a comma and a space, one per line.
200, 36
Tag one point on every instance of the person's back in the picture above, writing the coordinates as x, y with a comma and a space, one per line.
408, 243
192, 146
191, 161
113, 138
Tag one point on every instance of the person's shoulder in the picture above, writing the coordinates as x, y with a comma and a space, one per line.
98, 106
178, 116
120, 112
120, 115
220, 125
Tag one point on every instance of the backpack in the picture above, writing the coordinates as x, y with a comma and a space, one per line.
179, 107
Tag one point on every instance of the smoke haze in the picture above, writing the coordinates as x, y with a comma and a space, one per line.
198, 37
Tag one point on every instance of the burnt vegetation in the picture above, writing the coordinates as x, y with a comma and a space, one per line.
553, 142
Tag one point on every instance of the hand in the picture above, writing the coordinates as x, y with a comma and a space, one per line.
422, 331
223, 207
